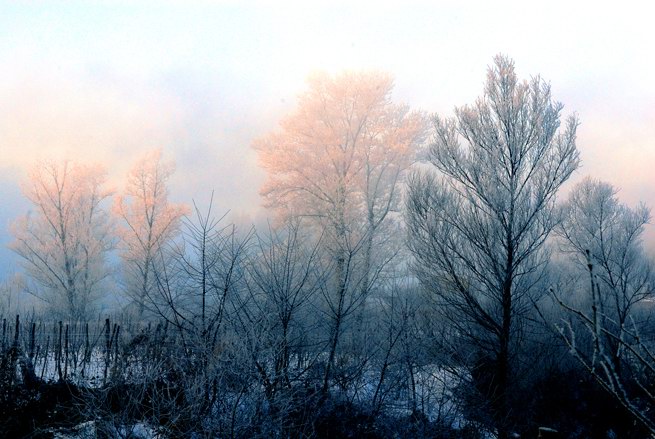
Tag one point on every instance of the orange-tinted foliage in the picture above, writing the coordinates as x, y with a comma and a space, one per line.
149, 220
340, 153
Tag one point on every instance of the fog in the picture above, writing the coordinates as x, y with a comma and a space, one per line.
107, 83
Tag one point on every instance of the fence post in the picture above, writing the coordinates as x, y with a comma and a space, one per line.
107, 350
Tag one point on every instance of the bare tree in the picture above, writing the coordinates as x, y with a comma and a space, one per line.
283, 278
274, 321
620, 359
595, 222
195, 277
195, 280
339, 157
338, 161
603, 329
64, 242
148, 223
477, 228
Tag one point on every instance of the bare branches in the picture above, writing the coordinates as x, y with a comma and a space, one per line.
477, 230
618, 359
148, 223
602, 236
64, 243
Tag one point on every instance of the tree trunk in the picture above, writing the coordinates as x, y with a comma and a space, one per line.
502, 361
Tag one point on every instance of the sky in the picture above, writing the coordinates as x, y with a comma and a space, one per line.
107, 81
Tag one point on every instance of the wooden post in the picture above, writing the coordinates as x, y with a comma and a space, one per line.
59, 347
66, 348
107, 351
32, 341
44, 371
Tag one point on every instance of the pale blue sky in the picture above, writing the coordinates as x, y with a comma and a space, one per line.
107, 81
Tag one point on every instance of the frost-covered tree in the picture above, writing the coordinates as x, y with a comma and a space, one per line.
338, 161
603, 326
282, 279
596, 227
339, 157
148, 221
63, 242
478, 220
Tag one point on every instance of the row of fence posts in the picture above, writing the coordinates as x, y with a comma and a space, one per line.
69, 354
69, 350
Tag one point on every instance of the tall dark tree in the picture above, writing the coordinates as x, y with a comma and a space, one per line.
478, 219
